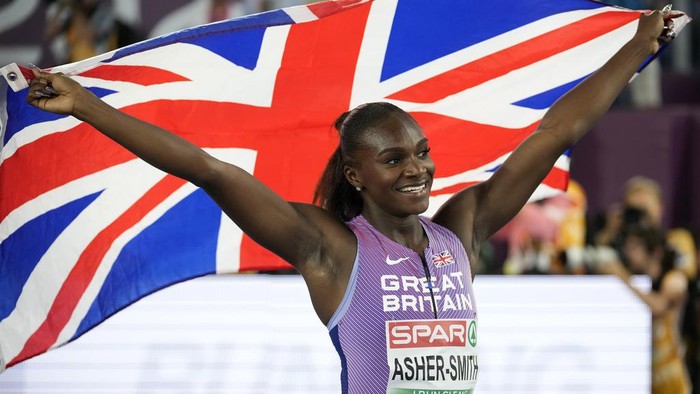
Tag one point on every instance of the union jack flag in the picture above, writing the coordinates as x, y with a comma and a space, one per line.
87, 229
443, 259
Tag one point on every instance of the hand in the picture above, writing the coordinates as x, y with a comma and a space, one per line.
656, 28
612, 266
55, 93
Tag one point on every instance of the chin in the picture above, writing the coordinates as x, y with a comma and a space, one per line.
420, 208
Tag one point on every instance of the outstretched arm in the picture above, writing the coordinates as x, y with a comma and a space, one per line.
672, 294
288, 230
476, 213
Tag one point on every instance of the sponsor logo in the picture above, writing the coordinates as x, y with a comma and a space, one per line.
471, 333
431, 356
390, 261
438, 333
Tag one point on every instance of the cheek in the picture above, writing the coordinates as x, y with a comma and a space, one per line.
377, 176
430, 166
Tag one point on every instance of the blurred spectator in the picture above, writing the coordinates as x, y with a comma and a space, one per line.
645, 251
642, 203
199, 12
542, 230
691, 331
79, 29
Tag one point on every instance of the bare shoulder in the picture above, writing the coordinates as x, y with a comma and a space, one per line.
339, 243
328, 274
674, 285
322, 218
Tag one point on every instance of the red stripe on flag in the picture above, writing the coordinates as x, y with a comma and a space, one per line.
450, 139
84, 270
331, 7
452, 189
557, 179
526, 53
142, 75
333, 69
59, 158
53, 161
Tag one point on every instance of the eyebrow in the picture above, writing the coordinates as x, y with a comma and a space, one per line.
423, 141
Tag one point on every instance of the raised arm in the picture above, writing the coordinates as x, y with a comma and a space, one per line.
295, 232
476, 213
668, 299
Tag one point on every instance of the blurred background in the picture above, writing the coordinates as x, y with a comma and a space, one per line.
638, 169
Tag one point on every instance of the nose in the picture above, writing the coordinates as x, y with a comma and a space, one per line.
414, 167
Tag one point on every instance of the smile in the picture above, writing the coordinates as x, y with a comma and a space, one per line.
414, 189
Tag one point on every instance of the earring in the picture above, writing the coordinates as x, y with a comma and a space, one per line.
358, 188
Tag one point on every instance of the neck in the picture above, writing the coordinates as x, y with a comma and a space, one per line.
406, 231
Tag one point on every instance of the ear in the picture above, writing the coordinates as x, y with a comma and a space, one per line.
352, 175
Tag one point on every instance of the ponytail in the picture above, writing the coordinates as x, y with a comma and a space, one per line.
334, 193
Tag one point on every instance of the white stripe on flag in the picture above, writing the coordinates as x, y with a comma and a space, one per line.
243, 158
368, 87
45, 281
203, 68
2, 359
301, 14
485, 107
228, 246
110, 257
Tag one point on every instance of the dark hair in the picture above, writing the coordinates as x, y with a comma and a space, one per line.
653, 239
333, 191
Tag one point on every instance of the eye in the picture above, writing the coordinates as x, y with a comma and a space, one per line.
393, 160
424, 152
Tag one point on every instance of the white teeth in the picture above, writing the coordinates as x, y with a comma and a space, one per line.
412, 189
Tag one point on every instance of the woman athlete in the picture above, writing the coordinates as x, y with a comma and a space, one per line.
393, 288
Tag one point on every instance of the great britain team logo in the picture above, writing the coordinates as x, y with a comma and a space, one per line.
442, 259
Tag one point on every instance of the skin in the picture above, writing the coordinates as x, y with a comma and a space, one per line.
318, 245
665, 304
670, 298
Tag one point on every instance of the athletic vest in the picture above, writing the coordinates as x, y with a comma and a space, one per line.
406, 325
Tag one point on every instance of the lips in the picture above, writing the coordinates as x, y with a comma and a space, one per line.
414, 189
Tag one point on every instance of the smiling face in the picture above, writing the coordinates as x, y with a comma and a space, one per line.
393, 167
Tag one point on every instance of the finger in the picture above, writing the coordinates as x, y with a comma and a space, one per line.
51, 90
41, 82
36, 70
41, 93
35, 96
40, 74
666, 10
667, 33
45, 80
677, 14
54, 77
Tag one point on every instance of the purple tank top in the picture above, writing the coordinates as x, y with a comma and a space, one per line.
388, 334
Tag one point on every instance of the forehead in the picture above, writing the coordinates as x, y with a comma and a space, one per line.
395, 131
